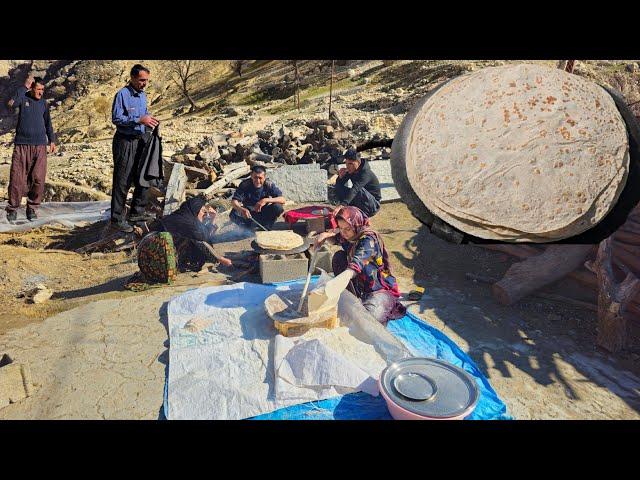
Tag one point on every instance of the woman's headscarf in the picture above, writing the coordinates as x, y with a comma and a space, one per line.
184, 221
360, 224
356, 218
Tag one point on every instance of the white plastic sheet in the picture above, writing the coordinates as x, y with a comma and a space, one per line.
237, 366
68, 214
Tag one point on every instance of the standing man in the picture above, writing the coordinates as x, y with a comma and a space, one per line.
130, 116
29, 161
259, 198
365, 187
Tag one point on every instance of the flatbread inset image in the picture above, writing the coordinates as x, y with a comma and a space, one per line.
518, 153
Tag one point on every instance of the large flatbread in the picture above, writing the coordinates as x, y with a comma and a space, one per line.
278, 240
519, 153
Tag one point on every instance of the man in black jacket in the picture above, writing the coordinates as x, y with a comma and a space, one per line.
365, 189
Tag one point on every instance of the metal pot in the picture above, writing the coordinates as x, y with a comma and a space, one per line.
428, 389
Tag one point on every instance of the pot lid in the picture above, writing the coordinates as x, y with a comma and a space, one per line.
430, 387
323, 212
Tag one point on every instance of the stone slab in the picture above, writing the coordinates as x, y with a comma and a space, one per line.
382, 169
12, 384
301, 183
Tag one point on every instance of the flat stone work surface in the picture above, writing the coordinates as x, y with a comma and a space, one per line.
382, 169
104, 360
12, 384
301, 183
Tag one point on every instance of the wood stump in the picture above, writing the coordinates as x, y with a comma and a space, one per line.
613, 299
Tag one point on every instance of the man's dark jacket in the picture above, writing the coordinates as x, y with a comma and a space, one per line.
363, 178
151, 173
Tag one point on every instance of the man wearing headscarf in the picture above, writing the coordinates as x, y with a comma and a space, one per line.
364, 264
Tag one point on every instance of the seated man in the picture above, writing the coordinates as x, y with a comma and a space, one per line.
365, 190
259, 198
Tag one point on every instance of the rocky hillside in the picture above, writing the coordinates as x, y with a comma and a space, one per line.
370, 98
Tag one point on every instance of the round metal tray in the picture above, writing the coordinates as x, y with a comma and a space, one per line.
430, 387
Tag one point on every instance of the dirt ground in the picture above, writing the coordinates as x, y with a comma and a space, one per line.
540, 356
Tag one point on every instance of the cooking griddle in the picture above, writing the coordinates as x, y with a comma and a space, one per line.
263, 251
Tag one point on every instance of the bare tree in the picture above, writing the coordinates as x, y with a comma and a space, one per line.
238, 65
102, 106
182, 72
296, 77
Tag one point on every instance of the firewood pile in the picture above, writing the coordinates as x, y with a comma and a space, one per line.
215, 167
610, 270
323, 143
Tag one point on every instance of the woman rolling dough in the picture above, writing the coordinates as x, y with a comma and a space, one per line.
363, 264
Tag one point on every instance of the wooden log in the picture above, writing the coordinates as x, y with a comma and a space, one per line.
613, 299
523, 278
190, 160
258, 157
631, 226
154, 192
634, 250
228, 169
525, 251
371, 144
195, 174
545, 295
99, 243
225, 179
623, 258
126, 246
627, 237
175, 189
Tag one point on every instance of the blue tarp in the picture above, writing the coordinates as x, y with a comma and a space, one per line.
422, 340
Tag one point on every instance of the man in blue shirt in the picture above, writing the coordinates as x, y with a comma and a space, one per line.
130, 116
29, 161
259, 198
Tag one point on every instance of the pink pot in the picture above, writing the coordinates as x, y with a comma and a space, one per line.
399, 413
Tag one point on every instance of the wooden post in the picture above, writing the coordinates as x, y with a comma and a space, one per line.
297, 92
333, 62
613, 299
